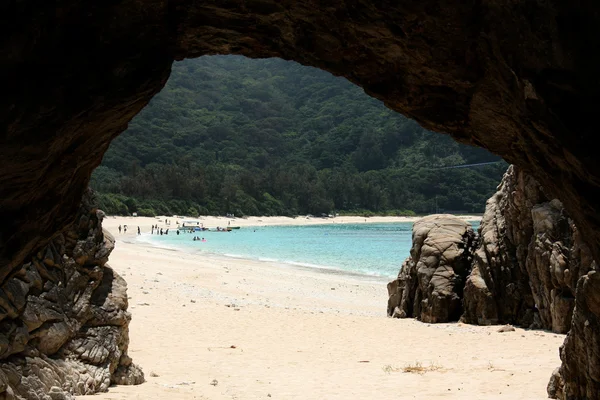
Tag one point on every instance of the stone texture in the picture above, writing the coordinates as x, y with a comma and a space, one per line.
529, 258
64, 320
430, 284
556, 385
498, 290
529, 267
579, 375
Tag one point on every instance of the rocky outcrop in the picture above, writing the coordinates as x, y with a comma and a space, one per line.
497, 290
526, 264
557, 258
530, 267
63, 318
528, 261
579, 375
430, 284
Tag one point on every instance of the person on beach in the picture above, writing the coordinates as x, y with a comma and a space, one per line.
139, 233
161, 231
177, 231
167, 231
124, 228
153, 229
119, 228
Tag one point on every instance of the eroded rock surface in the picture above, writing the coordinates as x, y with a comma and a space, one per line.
530, 267
579, 375
64, 320
498, 290
430, 284
528, 261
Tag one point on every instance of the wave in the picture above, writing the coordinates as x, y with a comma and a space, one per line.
266, 259
156, 242
235, 256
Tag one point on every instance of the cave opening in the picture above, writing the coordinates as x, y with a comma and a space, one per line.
221, 105
518, 79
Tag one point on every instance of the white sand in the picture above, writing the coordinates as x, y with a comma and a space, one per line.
111, 223
302, 334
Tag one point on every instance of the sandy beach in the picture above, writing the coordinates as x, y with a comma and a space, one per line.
145, 223
210, 327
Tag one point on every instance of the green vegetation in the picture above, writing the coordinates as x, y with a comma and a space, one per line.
269, 137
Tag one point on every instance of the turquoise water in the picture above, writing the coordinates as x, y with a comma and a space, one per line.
371, 249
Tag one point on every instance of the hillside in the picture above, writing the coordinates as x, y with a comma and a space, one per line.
270, 137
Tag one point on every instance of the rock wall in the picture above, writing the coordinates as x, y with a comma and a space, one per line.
497, 290
431, 281
63, 318
528, 261
530, 267
579, 375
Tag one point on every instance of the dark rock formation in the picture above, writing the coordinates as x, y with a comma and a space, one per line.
518, 78
555, 385
430, 284
528, 261
579, 375
530, 268
497, 290
64, 320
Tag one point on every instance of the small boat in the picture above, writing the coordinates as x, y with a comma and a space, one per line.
234, 227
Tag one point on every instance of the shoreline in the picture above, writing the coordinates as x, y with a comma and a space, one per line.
112, 222
270, 263
216, 329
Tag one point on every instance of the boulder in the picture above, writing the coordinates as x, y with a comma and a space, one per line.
430, 283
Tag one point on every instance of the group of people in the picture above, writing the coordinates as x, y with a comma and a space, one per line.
159, 231
124, 228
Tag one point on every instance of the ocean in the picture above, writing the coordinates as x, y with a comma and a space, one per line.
375, 249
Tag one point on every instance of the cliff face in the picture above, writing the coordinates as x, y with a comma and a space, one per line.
529, 265
64, 320
528, 261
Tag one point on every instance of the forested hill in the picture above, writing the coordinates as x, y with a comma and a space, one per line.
270, 137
